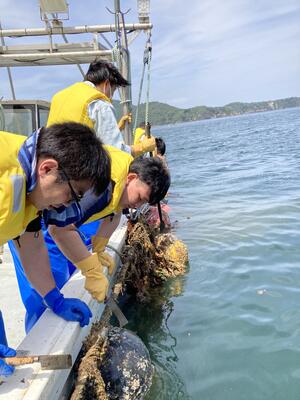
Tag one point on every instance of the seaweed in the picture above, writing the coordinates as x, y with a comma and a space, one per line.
148, 260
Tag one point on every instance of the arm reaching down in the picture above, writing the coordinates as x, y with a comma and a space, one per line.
34, 258
69, 242
91, 265
100, 240
35, 261
72, 246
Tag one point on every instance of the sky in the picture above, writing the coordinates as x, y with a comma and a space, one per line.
205, 52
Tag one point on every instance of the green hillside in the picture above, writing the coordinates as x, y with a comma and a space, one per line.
161, 113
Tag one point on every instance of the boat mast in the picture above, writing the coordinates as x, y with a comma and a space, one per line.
124, 67
57, 53
8, 71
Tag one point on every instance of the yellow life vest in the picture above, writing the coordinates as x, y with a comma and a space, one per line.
16, 212
138, 134
71, 104
120, 162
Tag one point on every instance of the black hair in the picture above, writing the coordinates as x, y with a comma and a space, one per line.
153, 172
100, 71
78, 152
161, 146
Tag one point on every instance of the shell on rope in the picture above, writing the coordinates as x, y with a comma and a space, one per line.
126, 366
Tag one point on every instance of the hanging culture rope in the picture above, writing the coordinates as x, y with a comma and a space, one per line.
146, 60
147, 123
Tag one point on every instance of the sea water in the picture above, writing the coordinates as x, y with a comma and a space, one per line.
230, 328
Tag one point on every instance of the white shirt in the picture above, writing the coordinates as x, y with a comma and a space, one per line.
103, 115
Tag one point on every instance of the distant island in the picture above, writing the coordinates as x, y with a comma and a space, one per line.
161, 113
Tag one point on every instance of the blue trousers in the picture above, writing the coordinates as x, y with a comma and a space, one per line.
3, 339
61, 267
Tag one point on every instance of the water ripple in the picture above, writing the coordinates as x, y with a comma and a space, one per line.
236, 197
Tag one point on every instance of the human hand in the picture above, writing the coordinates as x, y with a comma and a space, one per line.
144, 146
96, 282
99, 243
124, 118
69, 309
5, 351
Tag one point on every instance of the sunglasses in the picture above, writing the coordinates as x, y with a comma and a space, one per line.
76, 197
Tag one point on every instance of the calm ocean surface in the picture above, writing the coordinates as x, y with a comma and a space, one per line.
230, 329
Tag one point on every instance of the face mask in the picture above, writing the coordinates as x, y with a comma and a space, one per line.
109, 95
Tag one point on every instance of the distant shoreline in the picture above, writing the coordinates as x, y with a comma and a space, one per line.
164, 114
226, 116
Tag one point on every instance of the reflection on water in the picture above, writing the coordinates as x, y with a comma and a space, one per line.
150, 322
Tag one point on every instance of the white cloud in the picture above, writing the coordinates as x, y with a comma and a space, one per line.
210, 52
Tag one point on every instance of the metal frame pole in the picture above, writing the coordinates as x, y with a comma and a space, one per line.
126, 97
71, 30
8, 71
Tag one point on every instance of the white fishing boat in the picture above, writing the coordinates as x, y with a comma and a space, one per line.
51, 334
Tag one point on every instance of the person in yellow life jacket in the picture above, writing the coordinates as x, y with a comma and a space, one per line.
50, 169
139, 133
140, 136
90, 102
134, 183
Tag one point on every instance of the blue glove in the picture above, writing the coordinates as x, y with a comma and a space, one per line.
68, 309
5, 351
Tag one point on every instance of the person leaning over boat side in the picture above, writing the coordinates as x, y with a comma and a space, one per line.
50, 169
139, 133
134, 183
144, 180
161, 149
90, 102
140, 136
